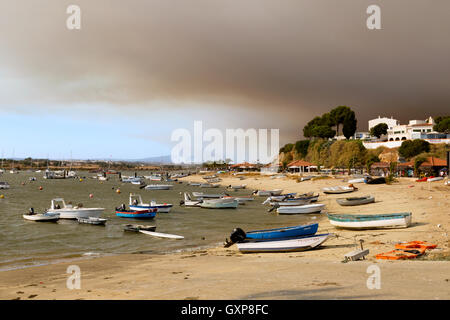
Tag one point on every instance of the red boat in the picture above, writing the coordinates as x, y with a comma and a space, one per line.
424, 179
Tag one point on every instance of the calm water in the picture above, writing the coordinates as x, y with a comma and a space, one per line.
27, 243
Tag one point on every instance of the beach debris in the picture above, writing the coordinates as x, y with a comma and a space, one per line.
356, 254
415, 244
406, 250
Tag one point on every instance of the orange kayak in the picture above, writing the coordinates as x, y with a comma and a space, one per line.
415, 244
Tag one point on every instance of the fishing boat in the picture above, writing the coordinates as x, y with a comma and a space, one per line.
219, 204
153, 178
138, 227
4, 185
355, 201
206, 195
268, 193
308, 208
239, 235
189, 202
131, 179
339, 189
41, 217
136, 214
158, 187
297, 244
67, 211
370, 221
137, 204
92, 220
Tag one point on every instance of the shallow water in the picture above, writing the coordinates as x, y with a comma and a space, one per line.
28, 243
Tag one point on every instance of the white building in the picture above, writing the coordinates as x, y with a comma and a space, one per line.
413, 130
391, 122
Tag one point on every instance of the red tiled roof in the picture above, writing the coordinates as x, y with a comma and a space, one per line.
430, 162
299, 163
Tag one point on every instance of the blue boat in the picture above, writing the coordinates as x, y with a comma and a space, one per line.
137, 214
238, 235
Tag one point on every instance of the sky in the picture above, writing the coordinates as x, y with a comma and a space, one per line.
138, 70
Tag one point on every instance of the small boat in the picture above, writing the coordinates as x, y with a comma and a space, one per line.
41, 217
32, 178
239, 235
209, 185
205, 195
105, 179
308, 208
162, 235
268, 193
138, 227
131, 179
298, 244
300, 202
242, 186
219, 204
357, 180
135, 182
370, 221
153, 178
379, 180
92, 220
4, 185
339, 189
137, 204
435, 179
194, 184
158, 187
188, 202
423, 179
355, 201
280, 197
136, 214
67, 211
241, 199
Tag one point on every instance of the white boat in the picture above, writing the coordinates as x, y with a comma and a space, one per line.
290, 203
67, 211
4, 185
371, 221
219, 203
131, 179
162, 235
239, 199
137, 204
135, 182
158, 186
242, 186
92, 220
103, 178
189, 202
298, 244
195, 184
339, 189
153, 178
268, 193
205, 195
209, 185
71, 174
13, 171
357, 180
435, 179
308, 208
41, 217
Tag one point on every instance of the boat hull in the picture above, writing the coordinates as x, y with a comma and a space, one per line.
309, 208
160, 208
143, 214
43, 217
78, 213
355, 201
398, 220
280, 233
299, 244
219, 204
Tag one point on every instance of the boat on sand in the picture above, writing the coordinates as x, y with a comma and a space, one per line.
355, 201
371, 221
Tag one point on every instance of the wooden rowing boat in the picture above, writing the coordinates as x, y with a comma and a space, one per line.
371, 221
308, 208
339, 189
355, 201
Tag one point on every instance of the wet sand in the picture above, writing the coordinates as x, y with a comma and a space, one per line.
221, 273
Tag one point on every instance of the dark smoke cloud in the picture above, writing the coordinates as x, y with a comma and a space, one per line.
285, 61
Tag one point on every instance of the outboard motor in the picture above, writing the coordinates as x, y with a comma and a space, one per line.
275, 206
238, 235
31, 211
181, 202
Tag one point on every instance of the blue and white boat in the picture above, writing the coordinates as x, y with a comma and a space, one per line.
371, 221
239, 235
137, 204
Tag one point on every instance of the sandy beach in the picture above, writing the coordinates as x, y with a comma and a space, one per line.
220, 273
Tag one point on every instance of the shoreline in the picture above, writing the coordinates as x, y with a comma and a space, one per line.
225, 273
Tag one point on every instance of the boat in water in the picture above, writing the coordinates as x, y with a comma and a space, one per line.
371, 221
136, 203
219, 203
4, 185
268, 193
67, 211
205, 195
158, 187
289, 245
93, 220
189, 202
355, 201
138, 227
41, 217
148, 213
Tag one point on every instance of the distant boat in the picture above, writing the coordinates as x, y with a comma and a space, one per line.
379, 180
138, 227
92, 220
355, 201
298, 244
209, 185
275, 192
158, 187
41, 217
308, 208
4, 185
195, 184
370, 221
239, 235
13, 171
242, 186
435, 179
189, 202
162, 235
136, 214
339, 189
219, 204
300, 202
205, 195
70, 212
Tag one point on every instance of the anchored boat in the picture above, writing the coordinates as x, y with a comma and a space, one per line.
41, 217
149, 213
137, 204
308, 208
219, 203
67, 211
370, 221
